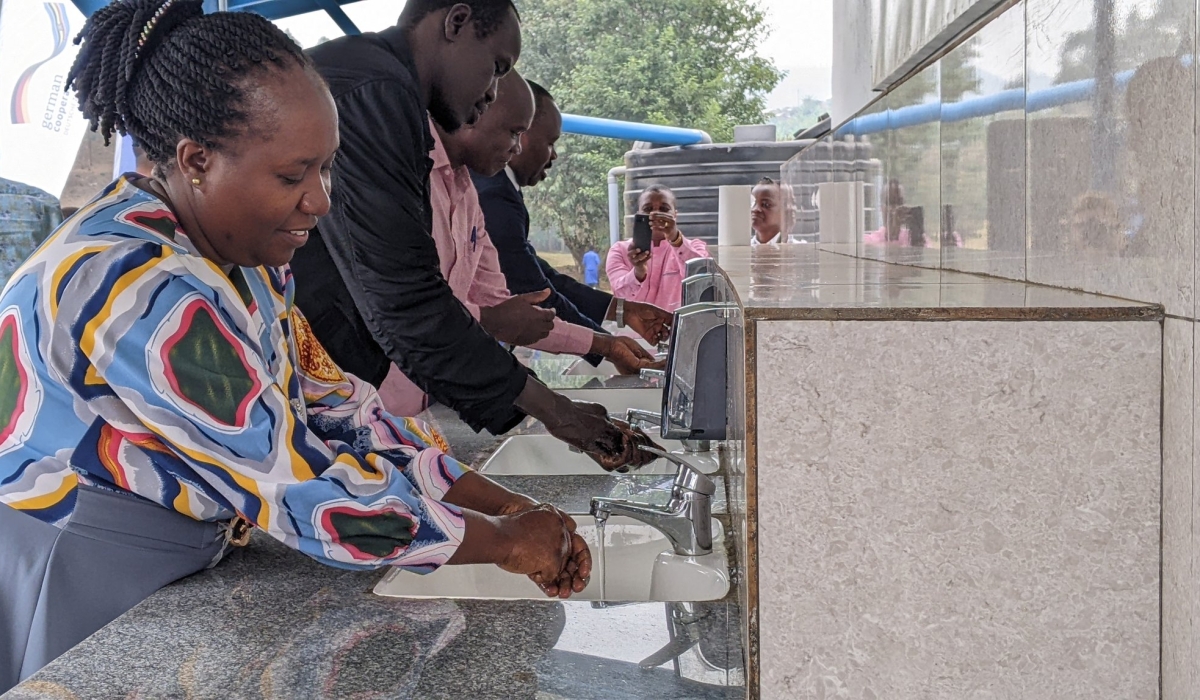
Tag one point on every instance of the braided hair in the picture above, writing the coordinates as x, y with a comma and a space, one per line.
162, 70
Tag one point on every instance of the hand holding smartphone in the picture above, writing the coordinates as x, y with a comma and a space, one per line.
641, 232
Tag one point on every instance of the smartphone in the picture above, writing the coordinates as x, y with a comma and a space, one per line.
641, 231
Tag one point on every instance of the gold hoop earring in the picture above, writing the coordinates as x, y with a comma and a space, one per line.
196, 181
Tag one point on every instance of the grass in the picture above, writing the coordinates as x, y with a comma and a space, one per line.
565, 263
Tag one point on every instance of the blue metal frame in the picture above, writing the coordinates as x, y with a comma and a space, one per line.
572, 123
271, 9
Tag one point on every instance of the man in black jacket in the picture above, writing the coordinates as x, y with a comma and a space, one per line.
369, 279
508, 226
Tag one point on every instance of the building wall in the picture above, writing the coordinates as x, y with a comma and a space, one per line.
1057, 145
972, 513
853, 58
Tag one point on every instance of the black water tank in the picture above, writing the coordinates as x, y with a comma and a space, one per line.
695, 174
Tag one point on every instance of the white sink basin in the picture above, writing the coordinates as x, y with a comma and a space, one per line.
617, 401
639, 561
582, 368
545, 455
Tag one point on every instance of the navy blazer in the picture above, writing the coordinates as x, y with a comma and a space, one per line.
507, 221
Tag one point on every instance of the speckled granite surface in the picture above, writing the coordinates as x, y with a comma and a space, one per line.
270, 623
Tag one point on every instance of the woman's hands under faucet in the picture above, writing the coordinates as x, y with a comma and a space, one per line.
577, 569
539, 544
542, 547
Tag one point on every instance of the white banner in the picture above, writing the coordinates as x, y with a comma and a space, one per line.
40, 124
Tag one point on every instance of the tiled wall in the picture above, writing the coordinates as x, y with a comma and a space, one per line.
970, 514
1064, 153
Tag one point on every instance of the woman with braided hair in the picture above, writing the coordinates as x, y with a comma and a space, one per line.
160, 396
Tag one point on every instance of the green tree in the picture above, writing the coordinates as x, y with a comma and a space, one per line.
690, 63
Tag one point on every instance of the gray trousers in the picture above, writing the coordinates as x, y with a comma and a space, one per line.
59, 585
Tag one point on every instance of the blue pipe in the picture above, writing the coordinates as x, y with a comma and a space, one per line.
1003, 101
633, 131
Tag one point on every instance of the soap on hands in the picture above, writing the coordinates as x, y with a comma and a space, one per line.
585, 426
630, 455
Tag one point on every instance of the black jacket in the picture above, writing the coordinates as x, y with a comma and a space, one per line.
368, 280
508, 226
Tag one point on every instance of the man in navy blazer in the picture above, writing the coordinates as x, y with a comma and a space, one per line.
507, 221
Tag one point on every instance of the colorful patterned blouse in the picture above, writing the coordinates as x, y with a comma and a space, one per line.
127, 360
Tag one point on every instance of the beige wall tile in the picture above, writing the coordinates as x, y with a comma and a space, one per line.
959, 510
1177, 538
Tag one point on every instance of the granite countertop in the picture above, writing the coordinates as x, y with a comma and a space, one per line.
804, 282
269, 622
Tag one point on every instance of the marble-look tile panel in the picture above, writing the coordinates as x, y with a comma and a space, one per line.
911, 192
983, 155
970, 511
1111, 107
1193, 587
1177, 536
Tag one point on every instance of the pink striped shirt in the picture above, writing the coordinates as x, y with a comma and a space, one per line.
471, 265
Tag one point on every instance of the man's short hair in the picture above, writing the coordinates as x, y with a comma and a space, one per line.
539, 92
488, 15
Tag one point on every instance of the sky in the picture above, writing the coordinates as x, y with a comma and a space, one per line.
800, 42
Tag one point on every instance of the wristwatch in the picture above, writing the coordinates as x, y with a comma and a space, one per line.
620, 313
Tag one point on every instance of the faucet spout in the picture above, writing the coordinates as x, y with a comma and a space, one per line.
638, 418
685, 520
687, 537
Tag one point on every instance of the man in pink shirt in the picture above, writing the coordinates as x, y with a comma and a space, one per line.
469, 261
654, 276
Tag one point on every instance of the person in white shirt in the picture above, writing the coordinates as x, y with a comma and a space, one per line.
773, 213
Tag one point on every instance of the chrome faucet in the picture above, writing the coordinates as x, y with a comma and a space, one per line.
638, 418
686, 519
